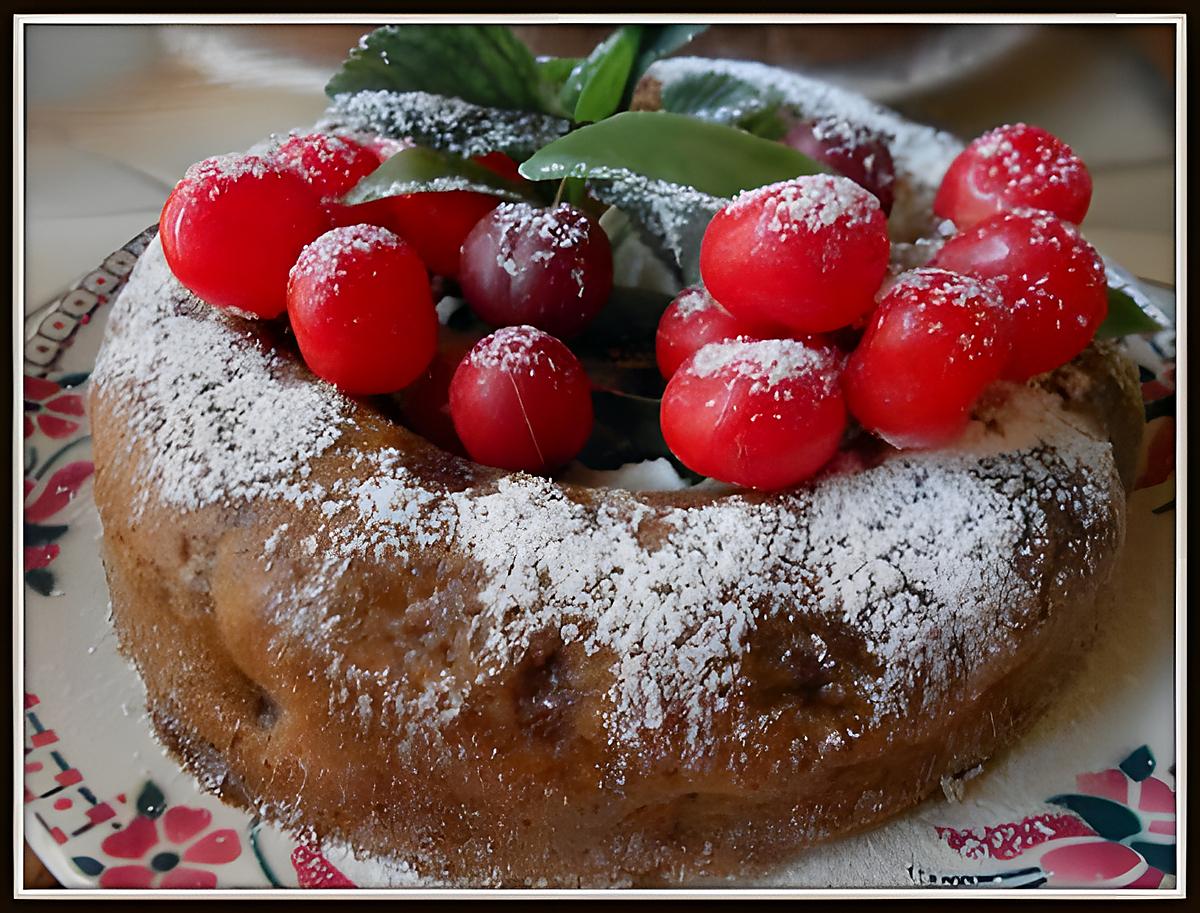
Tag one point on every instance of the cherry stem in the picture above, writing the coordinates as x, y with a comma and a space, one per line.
562, 185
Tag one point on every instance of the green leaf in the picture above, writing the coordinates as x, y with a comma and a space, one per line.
626, 429
670, 218
448, 124
723, 98
420, 170
552, 74
657, 42
150, 801
712, 158
482, 64
596, 85
1125, 317
617, 349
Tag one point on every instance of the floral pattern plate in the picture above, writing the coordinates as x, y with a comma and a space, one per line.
1086, 800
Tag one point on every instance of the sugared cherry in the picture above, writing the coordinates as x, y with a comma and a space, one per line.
520, 400
1051, 279
1012, 167
333, 165
935, 341
437, 223
360, 307
549, 268
808, 253
851, 150
765, 414
692, 321
231, 230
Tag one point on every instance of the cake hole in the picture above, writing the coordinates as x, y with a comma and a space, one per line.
788, 663
266, 711
543, 693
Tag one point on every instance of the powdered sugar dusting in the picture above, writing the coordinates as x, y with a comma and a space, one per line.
1048, 162
694, 300
917, 554
811, 202
229, 419
512, 350
444, 123
324, 258
768, 361
214, 175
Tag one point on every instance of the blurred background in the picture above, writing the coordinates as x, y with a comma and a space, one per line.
115, 113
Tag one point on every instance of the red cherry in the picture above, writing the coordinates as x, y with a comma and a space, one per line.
333, 165
765, 414
501, 164
520, 400
808, 253
549, 268
1012, 167
436, 224
231, 230
852, 151
692, 321
361, 309
935, 341
1050, 278
425, 403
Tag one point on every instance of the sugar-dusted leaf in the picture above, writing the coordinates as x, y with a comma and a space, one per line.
725, 99
482, 64
670, 218
594, 88
712, 158
448, 124
421, 170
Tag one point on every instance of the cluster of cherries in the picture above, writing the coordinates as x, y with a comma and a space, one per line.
265, 235
797, 326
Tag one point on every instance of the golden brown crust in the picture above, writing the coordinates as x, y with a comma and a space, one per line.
328, 709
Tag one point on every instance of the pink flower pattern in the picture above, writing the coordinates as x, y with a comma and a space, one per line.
49, 409
1121, 834
175, 845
